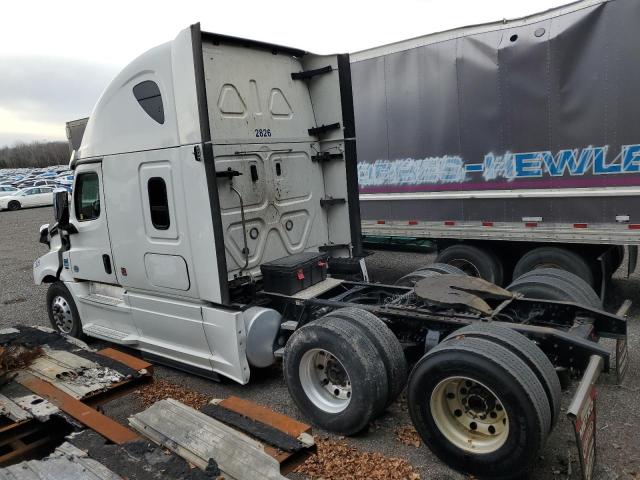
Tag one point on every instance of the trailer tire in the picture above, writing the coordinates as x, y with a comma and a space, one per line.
566, 276
387, 345
474, 261
62, 310
527, 351
356, 380
410, 279
459, 381
551, 288
555, 257
619, 254
443, 268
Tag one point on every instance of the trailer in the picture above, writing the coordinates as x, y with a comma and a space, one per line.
214, 226
512, 145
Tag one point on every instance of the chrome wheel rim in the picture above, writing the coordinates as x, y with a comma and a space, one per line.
469, 415
325, 381
62, 315
466, 266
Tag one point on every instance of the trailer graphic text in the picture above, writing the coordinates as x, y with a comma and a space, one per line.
509, 166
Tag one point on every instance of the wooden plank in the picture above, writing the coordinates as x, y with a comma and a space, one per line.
262, 414
288, 425
129, 360
197, 438
86, 415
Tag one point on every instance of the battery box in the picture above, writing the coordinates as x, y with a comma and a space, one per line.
289, 275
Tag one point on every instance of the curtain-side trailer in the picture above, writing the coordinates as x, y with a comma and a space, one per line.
513, 145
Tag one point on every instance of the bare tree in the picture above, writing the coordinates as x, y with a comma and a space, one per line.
34, 154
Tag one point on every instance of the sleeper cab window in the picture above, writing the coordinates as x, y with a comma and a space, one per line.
86, 197
147, 94
158, 203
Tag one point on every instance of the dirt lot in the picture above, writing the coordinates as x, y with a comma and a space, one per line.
618, 413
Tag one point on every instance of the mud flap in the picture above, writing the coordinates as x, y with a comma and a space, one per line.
622, 359
582, 413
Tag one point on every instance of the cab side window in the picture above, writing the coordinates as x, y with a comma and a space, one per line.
158, 203
86, 197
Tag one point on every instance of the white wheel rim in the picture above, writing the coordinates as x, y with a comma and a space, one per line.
469, 415
62, 315
325, 381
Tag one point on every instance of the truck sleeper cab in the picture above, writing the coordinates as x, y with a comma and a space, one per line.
211, 163
205, 158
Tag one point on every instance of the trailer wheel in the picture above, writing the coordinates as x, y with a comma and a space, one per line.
585, 289
555, 257
63, 313
551, 288
335, 375
479, 408
527, 351
474, 261
386, 343
619, 253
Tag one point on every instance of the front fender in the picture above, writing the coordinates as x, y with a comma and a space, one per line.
45, 266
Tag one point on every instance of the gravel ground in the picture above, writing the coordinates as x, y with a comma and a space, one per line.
618, 414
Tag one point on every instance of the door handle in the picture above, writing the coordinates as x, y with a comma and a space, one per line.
107, 263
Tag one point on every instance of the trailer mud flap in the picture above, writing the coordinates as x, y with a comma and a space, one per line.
622, 359
582, 413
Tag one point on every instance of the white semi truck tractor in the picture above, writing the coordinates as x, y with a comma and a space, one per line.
213, 220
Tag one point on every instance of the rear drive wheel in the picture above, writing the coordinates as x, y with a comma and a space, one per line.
335, 375
551, 288
567, 277
479, 408
527, 351
555, 257
443, 268
412, 278
427, 271
14, 205
386, 344
474, 261
63, 313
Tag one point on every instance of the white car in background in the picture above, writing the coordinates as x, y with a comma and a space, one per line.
6, 190
29, 197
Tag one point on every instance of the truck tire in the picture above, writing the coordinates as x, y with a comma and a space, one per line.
551, 288
588, 292
62, 310
619, 254
479, 408
386, 343
474, 261
528, 352
335, 375
443, 268
14, 205
555, 257
412, 278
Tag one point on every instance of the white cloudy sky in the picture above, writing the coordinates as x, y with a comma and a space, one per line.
57, 56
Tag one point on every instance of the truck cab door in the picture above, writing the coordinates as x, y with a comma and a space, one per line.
90, 254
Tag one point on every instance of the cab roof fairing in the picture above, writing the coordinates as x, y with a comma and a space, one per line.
118, 124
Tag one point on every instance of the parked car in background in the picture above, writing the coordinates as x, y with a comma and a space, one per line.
6, 190
29, 197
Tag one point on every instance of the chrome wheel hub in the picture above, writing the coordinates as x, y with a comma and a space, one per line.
62, 315
325, 380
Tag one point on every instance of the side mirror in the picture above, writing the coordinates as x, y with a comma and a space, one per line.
61, 207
